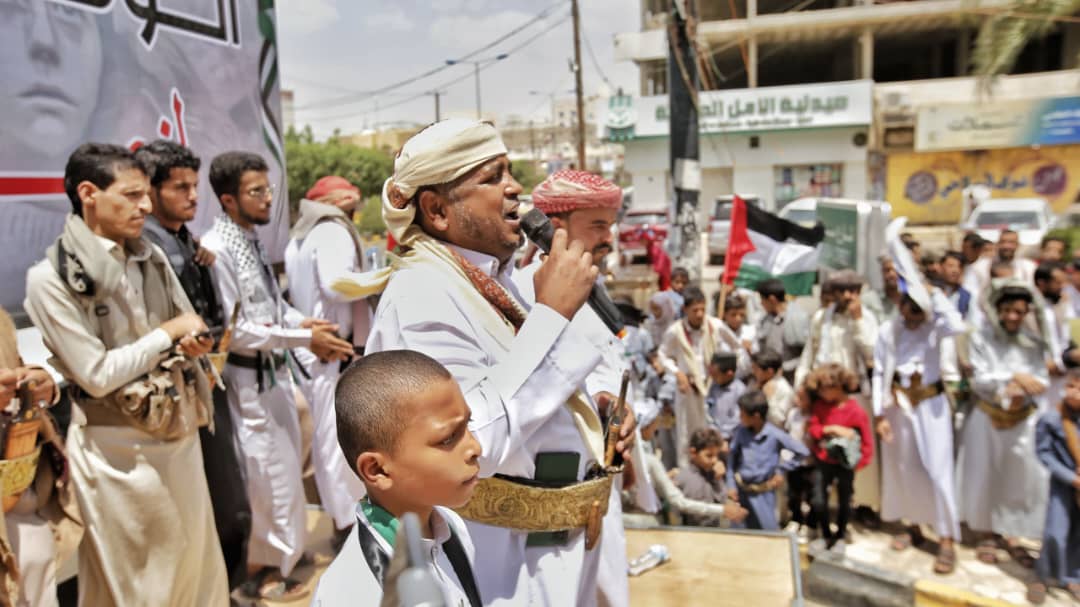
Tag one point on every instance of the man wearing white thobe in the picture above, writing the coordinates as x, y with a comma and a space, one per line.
260, 368
686, 352
324, 248
977, 275
915, 425
453, 203
998, 441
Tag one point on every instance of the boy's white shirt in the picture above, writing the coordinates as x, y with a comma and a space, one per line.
349, 581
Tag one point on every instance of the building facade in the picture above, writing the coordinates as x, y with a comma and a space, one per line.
877, 95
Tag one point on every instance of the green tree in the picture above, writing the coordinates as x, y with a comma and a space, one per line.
527, 174
307, 160
1003, 36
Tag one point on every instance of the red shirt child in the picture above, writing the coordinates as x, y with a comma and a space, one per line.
839, 419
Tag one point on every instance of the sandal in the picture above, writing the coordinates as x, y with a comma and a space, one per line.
945, 563
268, 584
901, 542
1021, 556
1036, 593
986, 552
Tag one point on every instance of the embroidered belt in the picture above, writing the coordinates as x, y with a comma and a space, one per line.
752, 488
1004, 419
501, 502
17, 474
917, 392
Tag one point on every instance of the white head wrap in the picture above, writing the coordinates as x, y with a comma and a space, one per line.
905, 266
438, 154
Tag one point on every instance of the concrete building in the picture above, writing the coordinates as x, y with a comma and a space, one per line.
848, 98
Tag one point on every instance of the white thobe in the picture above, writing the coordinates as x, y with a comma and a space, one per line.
917, 466
267, 425
612, 581
977, 275
690, 410
327, 254
518, 405
1057, 318
1001, 486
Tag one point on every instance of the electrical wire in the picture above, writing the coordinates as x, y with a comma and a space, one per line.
361, 96
446, 84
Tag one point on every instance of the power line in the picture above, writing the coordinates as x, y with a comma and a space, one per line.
592, 56
360, 96
446, 84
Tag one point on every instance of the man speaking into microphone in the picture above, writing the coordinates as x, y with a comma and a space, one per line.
452, 205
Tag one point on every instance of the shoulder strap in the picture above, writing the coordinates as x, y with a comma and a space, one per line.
460, 562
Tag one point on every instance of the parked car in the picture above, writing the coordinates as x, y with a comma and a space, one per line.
637, 228
802, 211
1030, 218
719, 228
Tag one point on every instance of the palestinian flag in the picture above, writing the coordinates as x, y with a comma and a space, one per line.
762, 246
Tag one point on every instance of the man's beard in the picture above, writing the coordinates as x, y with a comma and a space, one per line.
1006, 256
255, 221
1052, 297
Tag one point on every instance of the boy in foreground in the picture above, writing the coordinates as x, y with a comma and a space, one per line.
403, 425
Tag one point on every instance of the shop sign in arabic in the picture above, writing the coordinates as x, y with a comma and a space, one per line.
999, 124
764, 109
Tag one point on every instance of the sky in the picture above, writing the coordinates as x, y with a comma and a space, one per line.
330, 50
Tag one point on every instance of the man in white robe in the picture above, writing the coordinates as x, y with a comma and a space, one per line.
1001, 487
324, 248
1050, 280
913, 415
452, 204
977, 276
111, 310
259, 374
586, 206
686, 352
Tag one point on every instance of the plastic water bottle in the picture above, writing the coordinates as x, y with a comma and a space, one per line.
656, 555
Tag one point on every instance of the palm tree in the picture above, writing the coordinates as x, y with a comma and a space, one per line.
1004, 35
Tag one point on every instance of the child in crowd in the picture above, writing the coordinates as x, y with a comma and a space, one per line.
661, 386
1057, 444
770, 380
800, 477
735, 320
722, 400
402, 422
703, 479
842, 442
677, 504
755, 469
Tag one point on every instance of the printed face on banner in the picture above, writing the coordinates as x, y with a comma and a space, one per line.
197, 72
51, 59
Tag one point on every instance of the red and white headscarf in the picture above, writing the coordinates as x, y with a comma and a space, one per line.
572, 190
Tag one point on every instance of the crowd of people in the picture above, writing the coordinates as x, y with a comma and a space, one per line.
946, 399
477, 389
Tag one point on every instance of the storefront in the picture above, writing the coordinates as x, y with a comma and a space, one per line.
1018, 149
776, 143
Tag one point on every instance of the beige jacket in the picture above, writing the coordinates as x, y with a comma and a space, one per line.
77, 298
55, 495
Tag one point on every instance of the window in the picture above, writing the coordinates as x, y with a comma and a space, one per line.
1007, 220
818, 180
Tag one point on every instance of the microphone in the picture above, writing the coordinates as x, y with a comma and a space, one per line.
538, 228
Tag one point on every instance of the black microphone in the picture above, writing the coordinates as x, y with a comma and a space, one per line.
538, 228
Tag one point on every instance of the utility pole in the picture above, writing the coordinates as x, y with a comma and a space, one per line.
476, 73
577, 80
436, 95
685, 153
